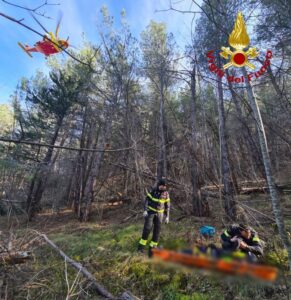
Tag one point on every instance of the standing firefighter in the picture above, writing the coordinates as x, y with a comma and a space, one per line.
242, 239
156, 208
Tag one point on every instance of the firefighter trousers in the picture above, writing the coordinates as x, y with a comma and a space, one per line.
153, 219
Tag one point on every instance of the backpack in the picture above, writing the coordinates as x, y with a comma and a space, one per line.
207, 231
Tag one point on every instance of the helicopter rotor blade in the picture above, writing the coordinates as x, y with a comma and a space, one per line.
58, 23
37, 21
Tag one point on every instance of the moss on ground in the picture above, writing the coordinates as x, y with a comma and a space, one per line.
110, 255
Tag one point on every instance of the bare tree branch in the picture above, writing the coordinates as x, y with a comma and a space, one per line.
62, 147
99, 288
33, 10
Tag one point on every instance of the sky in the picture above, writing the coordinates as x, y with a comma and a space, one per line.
80, 17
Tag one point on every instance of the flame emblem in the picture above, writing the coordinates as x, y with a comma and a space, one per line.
239, 39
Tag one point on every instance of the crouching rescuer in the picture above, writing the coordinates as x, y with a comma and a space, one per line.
156, 210
242, 239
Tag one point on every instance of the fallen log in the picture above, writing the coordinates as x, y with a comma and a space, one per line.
94, 284
249, 187
14, 257
127, 296
261, 189
250, 190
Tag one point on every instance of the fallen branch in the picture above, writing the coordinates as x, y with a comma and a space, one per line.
128, 296
251, 208
12, 201
94, 284
5, 140
250, 190
146, 174
183, 217
130, 217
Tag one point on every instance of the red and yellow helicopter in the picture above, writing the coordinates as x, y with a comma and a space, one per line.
51, 44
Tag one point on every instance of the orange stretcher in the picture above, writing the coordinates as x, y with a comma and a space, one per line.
225, 265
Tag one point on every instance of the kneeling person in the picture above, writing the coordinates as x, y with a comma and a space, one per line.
242, 239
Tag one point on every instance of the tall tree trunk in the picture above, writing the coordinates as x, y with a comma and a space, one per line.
228, 188
94, 171
82, 164
196, 194
209, 155
162, 163
37, 186
255, 156
128, 134
138, 174
81, 161
267, 164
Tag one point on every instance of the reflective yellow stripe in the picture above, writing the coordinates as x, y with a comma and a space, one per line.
196, 250
152, 198
255, 239
164, 200
227, 259
238, 254
226, 233
143, 242
156, 210
158, 200
153, 244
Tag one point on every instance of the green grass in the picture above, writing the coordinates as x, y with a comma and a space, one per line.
110, 255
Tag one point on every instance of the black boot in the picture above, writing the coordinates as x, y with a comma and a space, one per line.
150, 253
141, 248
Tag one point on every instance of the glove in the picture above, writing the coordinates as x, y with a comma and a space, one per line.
145, 213
234, 239
167, 220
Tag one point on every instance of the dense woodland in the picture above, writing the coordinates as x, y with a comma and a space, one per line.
99, 130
